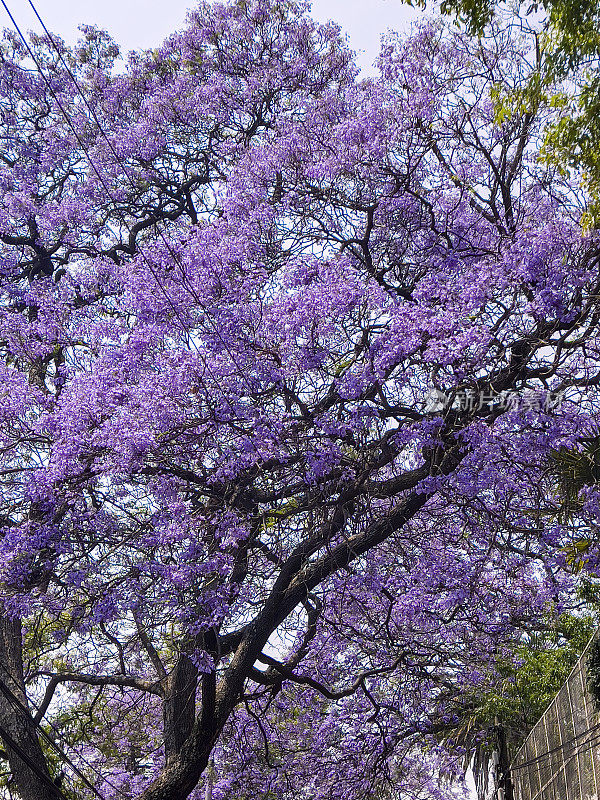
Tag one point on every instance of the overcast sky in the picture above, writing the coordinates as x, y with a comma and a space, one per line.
145, 23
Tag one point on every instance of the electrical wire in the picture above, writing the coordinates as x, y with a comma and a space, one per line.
590, 744
560, 747
172, 253
10, 695
127, 174
5, 689
8, 739
92, 111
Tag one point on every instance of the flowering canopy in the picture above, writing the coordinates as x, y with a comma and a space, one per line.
285, 354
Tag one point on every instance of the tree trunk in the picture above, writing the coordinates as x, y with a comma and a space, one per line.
179, 708
29, 768
505, 783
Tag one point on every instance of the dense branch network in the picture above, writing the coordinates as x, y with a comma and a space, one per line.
286, 354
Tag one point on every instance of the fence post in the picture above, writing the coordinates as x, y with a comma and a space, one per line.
504, 782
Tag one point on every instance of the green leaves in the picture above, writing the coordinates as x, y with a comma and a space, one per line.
573, 469
474, 14
528, 678
568, 53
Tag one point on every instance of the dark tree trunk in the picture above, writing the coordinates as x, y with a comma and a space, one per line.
179, 708
29, 769
505, 782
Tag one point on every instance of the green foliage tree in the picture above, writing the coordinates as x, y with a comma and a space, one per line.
568, 58
524, 682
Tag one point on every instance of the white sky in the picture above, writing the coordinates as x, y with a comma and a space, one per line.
145, 23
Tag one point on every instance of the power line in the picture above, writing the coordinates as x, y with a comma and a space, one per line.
7, 691
30, 763
3, 687
126, 172
92, 111
171, 252
560, 747
562, 767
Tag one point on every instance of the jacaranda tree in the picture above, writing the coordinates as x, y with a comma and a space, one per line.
285, 356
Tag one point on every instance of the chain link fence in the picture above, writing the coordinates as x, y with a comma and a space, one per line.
560, 759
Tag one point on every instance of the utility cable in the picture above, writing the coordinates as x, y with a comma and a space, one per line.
127, 174
44, 777
560, 747
558, 768
140, 250
10, 695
